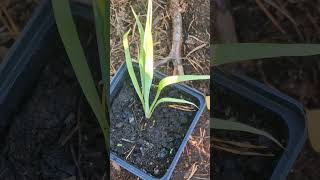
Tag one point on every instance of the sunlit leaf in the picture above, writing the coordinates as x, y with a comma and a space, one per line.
171, 100
173, 80
148, 50
130, 67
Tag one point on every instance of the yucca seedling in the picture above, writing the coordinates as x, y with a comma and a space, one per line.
146, 68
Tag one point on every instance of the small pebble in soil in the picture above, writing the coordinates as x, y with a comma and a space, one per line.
131, 119
142, 151
119, 125
156, 170
163, 153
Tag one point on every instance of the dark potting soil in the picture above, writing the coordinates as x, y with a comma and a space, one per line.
226, 165
54, 134
149, 144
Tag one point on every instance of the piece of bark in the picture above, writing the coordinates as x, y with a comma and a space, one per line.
224, 27
175, 53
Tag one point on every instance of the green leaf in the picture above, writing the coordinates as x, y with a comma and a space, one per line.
172, 100
130, 67
148, 49
70, 39
237, 126
173, 80
100, 14
230, 53
313, 122
141, 50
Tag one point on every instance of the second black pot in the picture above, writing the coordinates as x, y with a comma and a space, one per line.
290, 111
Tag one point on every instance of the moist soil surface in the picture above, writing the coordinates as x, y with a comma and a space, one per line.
227, 165
54, 134
149, 144
297, 77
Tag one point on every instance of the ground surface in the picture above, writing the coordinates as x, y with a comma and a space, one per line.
54, 134
194, 163
14, 14
293, 22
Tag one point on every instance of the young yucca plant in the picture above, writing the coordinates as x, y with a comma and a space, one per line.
146, 68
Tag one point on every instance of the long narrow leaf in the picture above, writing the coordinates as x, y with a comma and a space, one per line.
148, 49
173, 80
171, 100
130, 67
237, 126
70, 38
100, 14
141, 49
229, 53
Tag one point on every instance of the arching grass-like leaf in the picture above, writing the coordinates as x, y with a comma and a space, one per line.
141, 50
130, 67
70, 39
171, 100
102, 31
230, 53
237, 126
173, 80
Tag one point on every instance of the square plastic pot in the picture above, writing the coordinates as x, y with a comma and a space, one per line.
116, 84
291, 112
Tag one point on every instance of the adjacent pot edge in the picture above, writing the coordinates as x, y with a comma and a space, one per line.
291, 111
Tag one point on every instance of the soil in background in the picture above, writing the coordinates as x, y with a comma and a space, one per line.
295, 76
149, 144
226, 165
54, 134
15, 14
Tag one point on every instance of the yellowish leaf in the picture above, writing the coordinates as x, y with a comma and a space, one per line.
314, 128
208, 102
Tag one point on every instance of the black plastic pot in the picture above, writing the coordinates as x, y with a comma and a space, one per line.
21, 68
116, 84
291, 112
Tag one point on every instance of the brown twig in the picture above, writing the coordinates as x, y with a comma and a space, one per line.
270, 16
175, 53
8, 22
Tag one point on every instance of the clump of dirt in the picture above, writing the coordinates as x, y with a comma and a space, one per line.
149, 144
54, 134
226, 165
